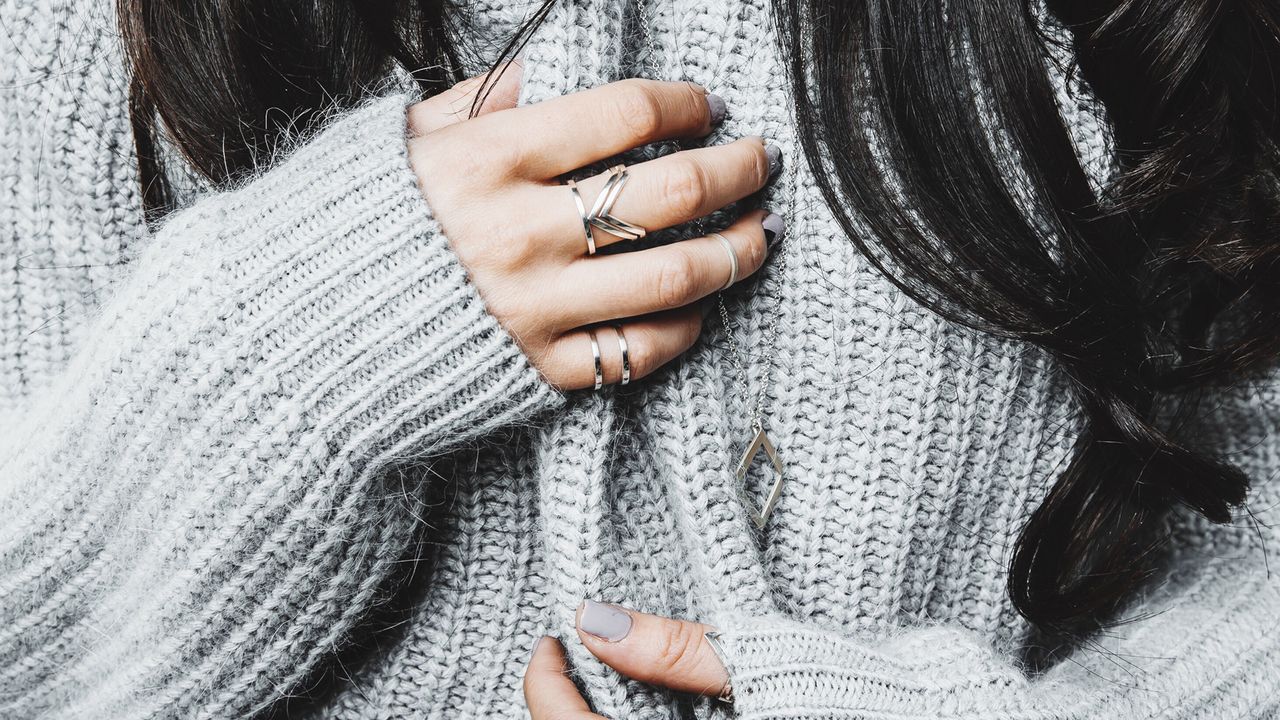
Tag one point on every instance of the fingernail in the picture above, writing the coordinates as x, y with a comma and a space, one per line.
538, 643
775, 158
534, 651
775, 228
717, 106
604, 621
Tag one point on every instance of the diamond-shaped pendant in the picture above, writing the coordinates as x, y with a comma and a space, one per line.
760, 442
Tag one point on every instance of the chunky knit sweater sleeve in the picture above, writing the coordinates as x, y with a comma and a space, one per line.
1204, 641
221, 481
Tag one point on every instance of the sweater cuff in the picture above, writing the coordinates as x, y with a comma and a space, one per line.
781, 668
357, 298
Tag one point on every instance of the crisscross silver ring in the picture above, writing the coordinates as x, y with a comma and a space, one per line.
601, 213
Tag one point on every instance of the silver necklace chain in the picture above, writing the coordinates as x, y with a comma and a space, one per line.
768, 346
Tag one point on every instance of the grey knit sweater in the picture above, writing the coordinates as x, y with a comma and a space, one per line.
233, 444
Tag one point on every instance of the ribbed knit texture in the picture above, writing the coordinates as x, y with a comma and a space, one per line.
277, 457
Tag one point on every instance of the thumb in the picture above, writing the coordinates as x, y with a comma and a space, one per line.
500, 87
660, 651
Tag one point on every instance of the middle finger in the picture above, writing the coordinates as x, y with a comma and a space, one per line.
663, 192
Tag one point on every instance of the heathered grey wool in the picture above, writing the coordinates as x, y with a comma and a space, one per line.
228, 440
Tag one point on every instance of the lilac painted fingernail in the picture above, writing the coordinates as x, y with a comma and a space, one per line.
717, 107
775, 228
604, 621
775, 158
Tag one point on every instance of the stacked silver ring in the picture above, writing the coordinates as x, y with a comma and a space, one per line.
626, 355
600, 215
623, 349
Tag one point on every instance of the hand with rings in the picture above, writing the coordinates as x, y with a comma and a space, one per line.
530, 242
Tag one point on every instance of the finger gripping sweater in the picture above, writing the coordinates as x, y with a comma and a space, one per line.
274, 457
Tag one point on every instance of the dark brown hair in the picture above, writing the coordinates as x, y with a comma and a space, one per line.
1157, 288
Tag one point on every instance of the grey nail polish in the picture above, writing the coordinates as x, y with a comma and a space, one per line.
775, 158
717, 106
775, 228
604, 621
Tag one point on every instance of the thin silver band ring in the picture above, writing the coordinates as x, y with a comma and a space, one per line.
733, 260
595, 355
626, 355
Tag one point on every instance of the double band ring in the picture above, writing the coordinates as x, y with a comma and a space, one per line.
600, 215
622, 348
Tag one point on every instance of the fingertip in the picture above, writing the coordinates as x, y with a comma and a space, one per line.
548, 690
775, 229
716, 109
774, 154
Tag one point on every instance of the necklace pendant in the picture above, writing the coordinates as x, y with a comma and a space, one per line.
760, 442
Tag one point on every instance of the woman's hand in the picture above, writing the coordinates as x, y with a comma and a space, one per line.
673, 654
491, 182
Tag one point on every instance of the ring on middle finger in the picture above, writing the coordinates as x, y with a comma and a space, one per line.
601, 213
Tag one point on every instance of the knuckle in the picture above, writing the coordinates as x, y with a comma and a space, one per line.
419, 118
517, 250
684, 188
690, 329
678, 649
638, 108
643, 354
678, 281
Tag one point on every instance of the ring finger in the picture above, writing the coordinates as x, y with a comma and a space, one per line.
668, 276
651, 341
664, 192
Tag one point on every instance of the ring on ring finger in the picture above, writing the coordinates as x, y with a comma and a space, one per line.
596, 359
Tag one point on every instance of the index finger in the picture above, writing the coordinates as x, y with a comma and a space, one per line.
572, 131
501, 86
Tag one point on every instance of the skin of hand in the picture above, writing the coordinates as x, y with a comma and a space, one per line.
660, 651
493, 184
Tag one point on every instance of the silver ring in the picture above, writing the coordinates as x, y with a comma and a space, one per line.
733, 260
599, 215
595, 355
586, 219
626, 356
600, 211
713, 639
